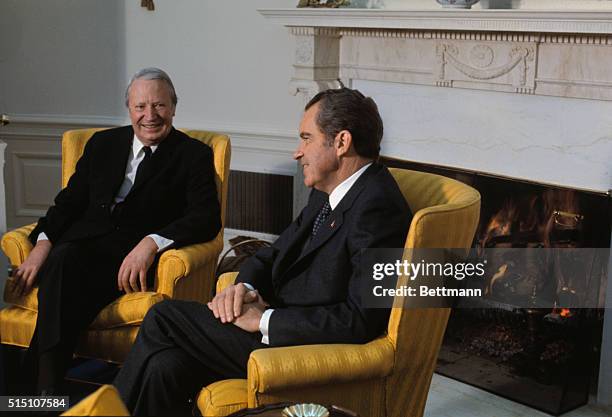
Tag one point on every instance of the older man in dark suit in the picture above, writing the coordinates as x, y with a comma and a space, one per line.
304, 289
136, 191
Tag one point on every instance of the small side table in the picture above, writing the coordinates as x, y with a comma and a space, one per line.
276, 410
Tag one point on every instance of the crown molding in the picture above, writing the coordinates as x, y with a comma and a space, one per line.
541, 21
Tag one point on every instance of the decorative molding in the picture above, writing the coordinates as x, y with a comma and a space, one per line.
483, 55
51, 127
437, 34
593, 84
579, 39
316, 63
255, 148
564, 62
314, 31
304, 51
424, 47
387, 68
63, 119
21, 160
550, 21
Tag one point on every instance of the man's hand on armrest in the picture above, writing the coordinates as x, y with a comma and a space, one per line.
26, 273
134, 268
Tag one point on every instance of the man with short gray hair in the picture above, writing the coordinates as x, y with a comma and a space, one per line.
136, 191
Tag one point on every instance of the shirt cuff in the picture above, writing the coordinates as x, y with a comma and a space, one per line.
264, 323
161, 242
42, 236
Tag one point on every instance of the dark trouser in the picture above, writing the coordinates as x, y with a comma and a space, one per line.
76, 281
180, 348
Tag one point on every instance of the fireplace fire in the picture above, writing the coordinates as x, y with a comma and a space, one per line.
544, 358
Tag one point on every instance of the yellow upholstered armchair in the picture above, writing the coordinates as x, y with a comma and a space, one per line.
187, 273
389, 376
105, 401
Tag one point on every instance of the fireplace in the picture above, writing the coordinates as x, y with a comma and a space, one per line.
518, 104
544, 358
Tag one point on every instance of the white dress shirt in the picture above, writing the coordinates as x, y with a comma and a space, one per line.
335, 198
134, 159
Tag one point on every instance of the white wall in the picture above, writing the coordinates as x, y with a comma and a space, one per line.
62, 57
68, 61
67, 57
230, 65
231, 69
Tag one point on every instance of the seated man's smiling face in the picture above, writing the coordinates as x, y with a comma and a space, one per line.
151, 110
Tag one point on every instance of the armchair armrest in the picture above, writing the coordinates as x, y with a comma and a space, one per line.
226, 280
16, 245
317, 365
196, 262
103, 402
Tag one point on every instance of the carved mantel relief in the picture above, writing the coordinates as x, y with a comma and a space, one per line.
494, 63
550, 53
542, 64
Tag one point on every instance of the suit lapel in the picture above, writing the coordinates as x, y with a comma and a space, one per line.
158, 159
335, 220
118, 162
290, 253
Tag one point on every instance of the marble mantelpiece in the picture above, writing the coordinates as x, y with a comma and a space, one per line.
490, 87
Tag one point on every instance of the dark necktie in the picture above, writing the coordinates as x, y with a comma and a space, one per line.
321, 216
143, 164
117, 208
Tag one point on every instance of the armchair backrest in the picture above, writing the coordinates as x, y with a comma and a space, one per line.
73, 144
220, 145
446, 214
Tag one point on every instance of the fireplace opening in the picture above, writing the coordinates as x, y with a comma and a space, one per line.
548, 358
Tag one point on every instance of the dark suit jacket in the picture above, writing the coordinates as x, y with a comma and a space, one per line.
316, 290
175, 197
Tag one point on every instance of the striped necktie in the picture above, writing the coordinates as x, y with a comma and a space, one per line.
321, 216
